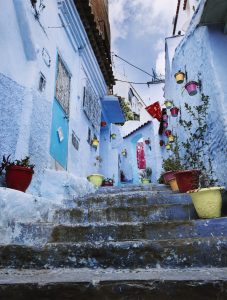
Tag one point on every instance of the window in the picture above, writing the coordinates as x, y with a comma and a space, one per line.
63, 86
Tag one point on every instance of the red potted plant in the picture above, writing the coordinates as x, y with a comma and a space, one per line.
187, 180
18, 173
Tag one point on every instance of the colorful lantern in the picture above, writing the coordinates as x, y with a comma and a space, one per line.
171, 138
191, 87
179, 77
168, 104
168, 146
174, 111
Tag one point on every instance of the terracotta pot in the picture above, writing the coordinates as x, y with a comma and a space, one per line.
191, 88
174, 111
187, 180
18, 178
170, 175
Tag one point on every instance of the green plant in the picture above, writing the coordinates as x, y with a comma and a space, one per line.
126, 109
173, 163
6, 163
196, 145
146, 174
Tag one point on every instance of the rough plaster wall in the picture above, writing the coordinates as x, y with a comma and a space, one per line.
11, 101
204, 53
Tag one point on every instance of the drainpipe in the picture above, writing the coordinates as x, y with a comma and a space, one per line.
176, 17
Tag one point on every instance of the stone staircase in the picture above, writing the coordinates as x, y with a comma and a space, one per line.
133, 242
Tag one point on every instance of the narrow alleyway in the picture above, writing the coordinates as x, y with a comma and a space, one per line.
131, 242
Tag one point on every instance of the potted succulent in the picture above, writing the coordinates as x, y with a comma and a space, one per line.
18, 173
108, 182
179, 77
191, 87
145, 176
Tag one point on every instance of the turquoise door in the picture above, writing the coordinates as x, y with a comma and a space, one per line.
59, 135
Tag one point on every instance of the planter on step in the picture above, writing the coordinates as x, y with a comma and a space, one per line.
145, 181
207, 202
173, 185
18, 177
187, 180
96, 179
168, 176
168, 103
174, 111
191, 87
179, 77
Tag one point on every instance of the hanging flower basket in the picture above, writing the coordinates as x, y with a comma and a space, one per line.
113, 136
124, 152
191, 87
161, 143
168, 146
95, 142
179, 77
165, 124
165, 118
168, 133
171, 138
168, 104
174, 111
155, 111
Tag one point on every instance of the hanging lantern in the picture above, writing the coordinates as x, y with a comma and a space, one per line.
165, 117
161, 143
155, 111
168, 104
168, 133
174, 111
171, 138
168, 146
179, 77
165, 124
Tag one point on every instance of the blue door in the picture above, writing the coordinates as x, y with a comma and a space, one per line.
60, 113
59, 135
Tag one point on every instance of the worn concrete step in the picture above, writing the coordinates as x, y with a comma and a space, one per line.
145, 213
133, 188
103, 284
179, 253
142, 230
129, 199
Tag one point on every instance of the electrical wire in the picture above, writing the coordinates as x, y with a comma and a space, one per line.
148, 83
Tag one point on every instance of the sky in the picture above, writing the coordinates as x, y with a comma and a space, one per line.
138, 31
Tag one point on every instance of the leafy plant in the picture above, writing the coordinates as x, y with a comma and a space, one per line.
196, 142
146, 174
6, 163
126, 109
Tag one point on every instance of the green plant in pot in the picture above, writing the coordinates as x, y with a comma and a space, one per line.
18, 173
145, 176
205, 195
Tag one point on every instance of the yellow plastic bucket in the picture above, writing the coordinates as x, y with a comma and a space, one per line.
96, 179
179, 77
173, 185
207, 202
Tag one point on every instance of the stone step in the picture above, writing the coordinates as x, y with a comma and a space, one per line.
142, 230
142, 213
129, 199
179, 253
133, 188
103, 284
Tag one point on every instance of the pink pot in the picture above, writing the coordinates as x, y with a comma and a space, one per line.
191, 88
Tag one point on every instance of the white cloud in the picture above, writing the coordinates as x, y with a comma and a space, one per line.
146, 16
160, 63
